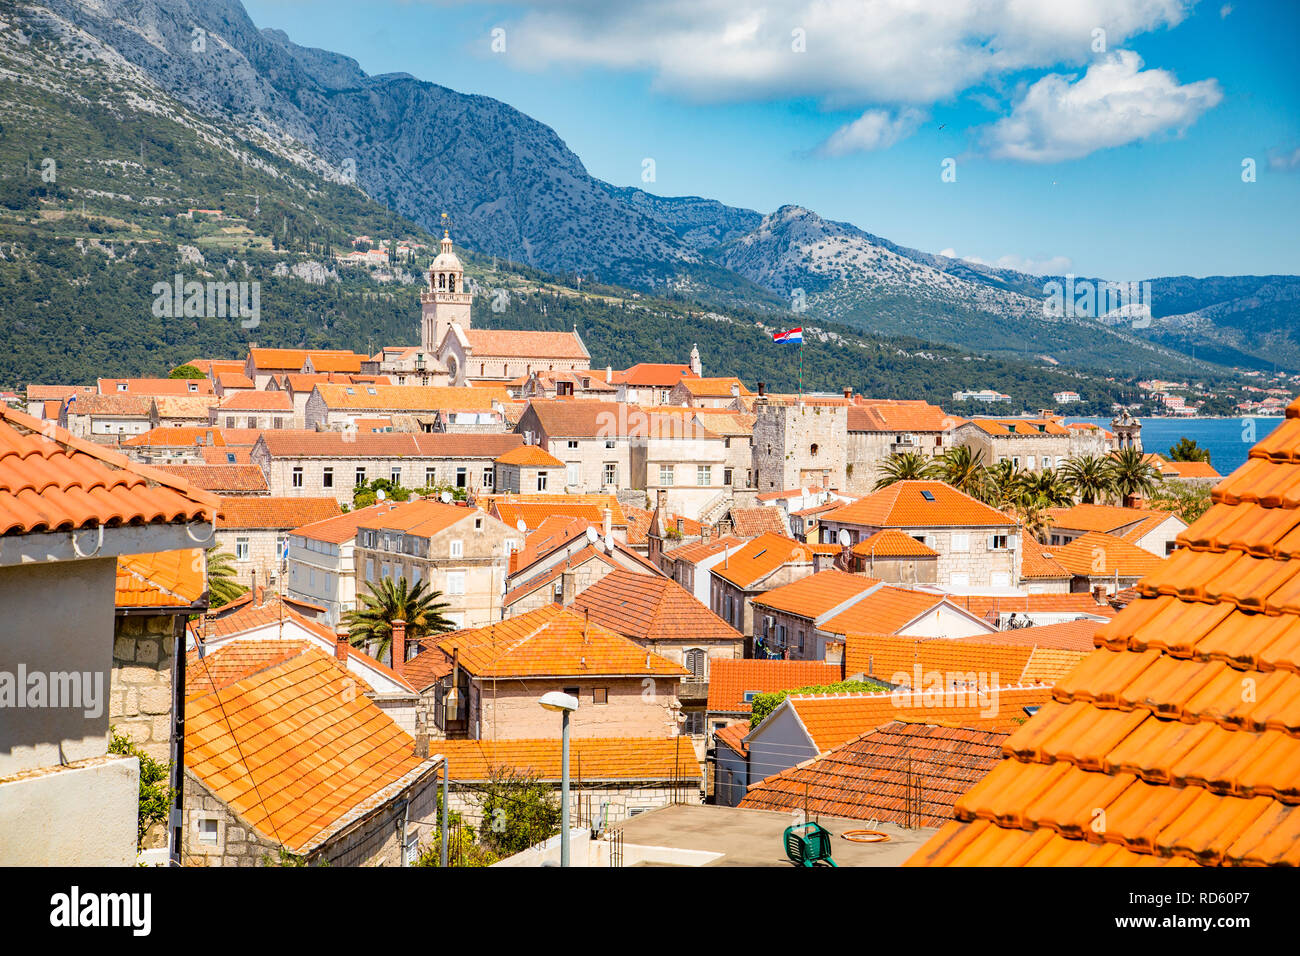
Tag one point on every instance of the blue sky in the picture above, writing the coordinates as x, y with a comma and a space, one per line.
1117, 155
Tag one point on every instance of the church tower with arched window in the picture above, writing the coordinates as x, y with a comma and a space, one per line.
445, 301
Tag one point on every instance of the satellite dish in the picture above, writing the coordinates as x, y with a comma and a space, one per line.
609, 543
844, 538
592, 536
380, 495
446, 497
521, 525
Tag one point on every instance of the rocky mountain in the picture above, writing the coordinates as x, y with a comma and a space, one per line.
513, 189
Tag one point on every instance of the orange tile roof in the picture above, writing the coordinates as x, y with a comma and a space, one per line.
1068, 636
764, 519
904, 505
814, 595
1096, 554
124, 405
231, 663
296, 752
1037, 562
216, 366
601, 758
982, 605
246, 478
757, 560
550, 642
487, 343
893, 544
1153, 729
876, 415
833, 720
338, 362
168, 436
1191, 469
910, 774
423, 518
291, 360
273, 401
731, 680
1106, 518
713, 387
164, 579
553, 532
650, 374
264, 511
697, 551
894, 659
647, 607
154, 386
411, 398
57, 393
234, 380
733, 735
342, 527
530, 455
887, 610
638, 525
534, 509
1021, 426
50, 481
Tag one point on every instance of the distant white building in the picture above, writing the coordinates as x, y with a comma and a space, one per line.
984, 395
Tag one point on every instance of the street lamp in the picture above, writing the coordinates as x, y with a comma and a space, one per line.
565, 704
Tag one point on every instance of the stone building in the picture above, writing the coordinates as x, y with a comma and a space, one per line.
250, 409
339, 784
254, 530
880, 428
1032, 444
338, 407
526, 469
768, 561
800, 444
485, 682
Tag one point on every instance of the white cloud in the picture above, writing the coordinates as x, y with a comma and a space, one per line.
1224, 11
874, 129
1285, 162
855, 54
1115, 103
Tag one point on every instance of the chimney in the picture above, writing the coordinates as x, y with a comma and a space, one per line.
341, 646
607, 521
422, 746
661, 501
681, 526
735, 391
609, 374
762, 389
568, 588
399, 645
848, 392
706, 532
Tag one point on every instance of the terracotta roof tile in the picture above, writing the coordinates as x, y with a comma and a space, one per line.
264, 511
601, 758
905, 504
887, 610
1069, 636
530, 455
1096, 554
50, 481
816, 594
295, 751
758, 559
910, 774
550, 641
411, 398
733, 735
1109, 519
222, 478
1153, 728
487, 343
764, 519
340, 527
168, 436
249, 401
287, 360
894, 659
1037, 562
731, 680
697, 551
165, 579
982, 605
647, 607
875, 415
650, 374
532, 510
714, 387
893, 544
154, 386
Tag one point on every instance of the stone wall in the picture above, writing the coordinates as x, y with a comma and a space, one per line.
377, 840
237, 844
140, 694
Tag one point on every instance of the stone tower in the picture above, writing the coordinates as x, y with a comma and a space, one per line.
696, 367
445, 300
1127, 429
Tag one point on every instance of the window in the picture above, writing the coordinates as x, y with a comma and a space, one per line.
430, 477
704, 474
600, 695
462, 477
395, 475
360, 476
750, 695
458, 548
960, 541
488, 480
281, 543
208, 829
574, 474
541, 481
121, 386
511, 545
1029, 462
609, 443
252, 421
960, 580
230, 421
998, 542
573, 445
370, 569
695, 659
611, 473
455, 582
241, 549
296, 479
327, 478
277, 422
665, 474
726, 477
478, 524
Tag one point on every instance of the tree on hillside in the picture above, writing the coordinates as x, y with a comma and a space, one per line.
185, 371
389, 600
1186, 449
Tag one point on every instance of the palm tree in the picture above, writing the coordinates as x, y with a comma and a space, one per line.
222, 586
1089, 476
963, 468
390, 600
903, 466
1132, 475
1048, 488
1006, 484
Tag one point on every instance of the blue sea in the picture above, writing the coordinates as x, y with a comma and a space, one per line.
1229, 440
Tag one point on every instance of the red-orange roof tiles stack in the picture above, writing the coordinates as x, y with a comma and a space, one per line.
731, 680
651, 608
601, 758
1181, 732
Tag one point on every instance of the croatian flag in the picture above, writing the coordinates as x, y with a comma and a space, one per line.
789, 337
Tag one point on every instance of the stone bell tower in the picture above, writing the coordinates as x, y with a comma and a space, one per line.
445, 299
1127, 429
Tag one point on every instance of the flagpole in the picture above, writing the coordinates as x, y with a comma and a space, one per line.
801, 370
